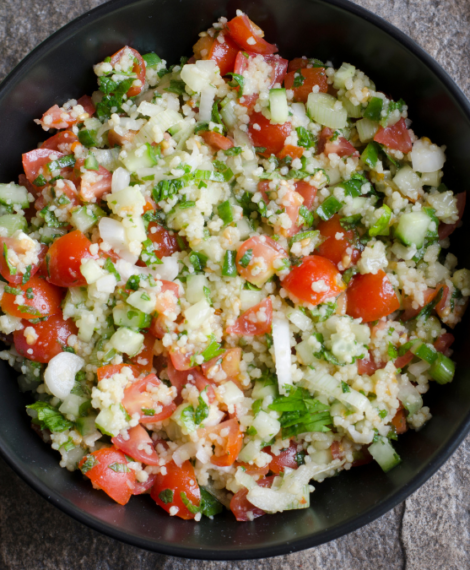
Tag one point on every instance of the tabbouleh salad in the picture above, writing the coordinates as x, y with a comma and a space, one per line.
228, 278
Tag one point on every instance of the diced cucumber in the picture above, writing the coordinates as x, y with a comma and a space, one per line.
71, 405
410, 398
431, 178
182, 132
48, 235
139, 158
227, 112
92, 271
249, 299
380, 226
142, 301
129, 201
75, 300
106, 420
345, 72
278, 105
11, 194
85, 217
305, 352
13, 223
408, 182
244, 228
260, 391
322, 109
195, 285
86, 426
108, 157
250, 451
127, 341
198, 313
383, 452
412, 228
366, 129
354, 111
127, 316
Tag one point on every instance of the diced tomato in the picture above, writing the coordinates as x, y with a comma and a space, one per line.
368, 365
229, 362
144, 360
336, 249
312, 76
409, 312
313, 268
178, 483
292, 151
241, 506
291, 202
337, 450
179, 378
138, 68
253, 470
395, 137
444, 342
276, 62
108, 473
223, 53
443, 307
225, 453
36, 161
52, 338
340, 146
138, 399
158, 327
40, 299
64, 259
61, 142
20, 247
94, 183
269, 135
137, 445
165, 240
167, 298
371, 297
216, 140
265, 252
362, 457
297, 63
285, 459
111, 369
399, 421
250, 324
141, 488
181, 360
87, 103
308, 193
445, 230
404, 360
247, 35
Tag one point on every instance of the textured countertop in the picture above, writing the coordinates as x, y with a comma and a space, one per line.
429, 531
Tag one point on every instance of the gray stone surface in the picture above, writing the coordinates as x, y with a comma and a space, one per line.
429, 531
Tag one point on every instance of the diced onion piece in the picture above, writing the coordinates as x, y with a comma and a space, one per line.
206, 102
113, 233
427, 157
282, 353
60, 373
121, 179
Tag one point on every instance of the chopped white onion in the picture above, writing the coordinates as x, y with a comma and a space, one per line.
113, 233
121, 179
427, 157
282, 352
60, 373
206, 102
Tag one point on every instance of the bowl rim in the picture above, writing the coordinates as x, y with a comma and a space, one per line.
328, 535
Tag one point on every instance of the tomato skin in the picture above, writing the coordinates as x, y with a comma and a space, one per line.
368, 365
371, 297
137, 398
395, 137
118, 485
340, 146
276, 62
46, 300
336, 249
144, 359
179, 480
224, 54
166, 240
266, 248
64, 259
285, 459
270, 136
137, 436
216, 140
87, 103
95, 184
241, 506
138, 68
312, 76
308, 193
181, 360
241, 30
229, 362
61, 142
399, 421
404, 360
298, 283
445, 230
35, 160
53, 335
244, 325
297, 63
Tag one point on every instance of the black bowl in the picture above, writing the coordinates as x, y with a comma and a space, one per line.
337, 30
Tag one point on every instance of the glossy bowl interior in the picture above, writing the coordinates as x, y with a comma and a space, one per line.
61, 68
